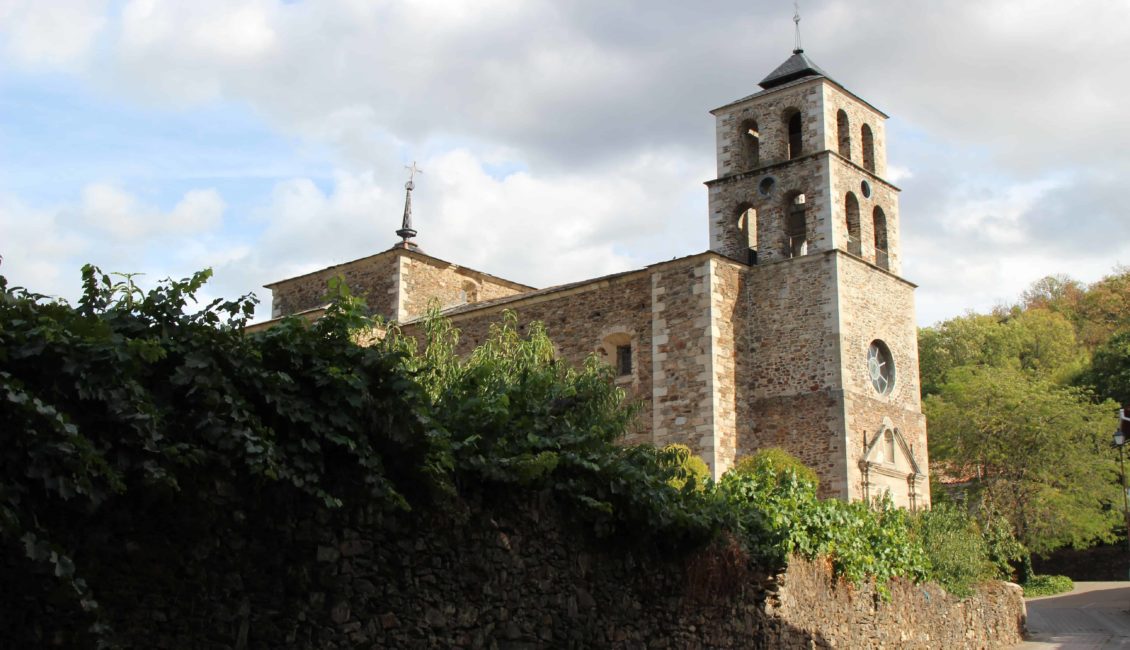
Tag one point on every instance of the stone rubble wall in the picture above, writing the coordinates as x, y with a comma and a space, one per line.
397, 284
510, 572
665, 312
578, 321
374, 278
424, 280
876, 305
788, 383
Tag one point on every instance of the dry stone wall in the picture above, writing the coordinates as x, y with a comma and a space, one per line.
509, 572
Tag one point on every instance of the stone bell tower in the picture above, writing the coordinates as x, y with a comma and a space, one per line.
828, 340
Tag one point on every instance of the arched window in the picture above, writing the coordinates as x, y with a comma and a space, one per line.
750, 138
747, 230
882, 258
868, 149
796, 227
851, 214
843, 133
796, 138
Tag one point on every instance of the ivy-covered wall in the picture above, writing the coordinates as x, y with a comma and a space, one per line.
498, 571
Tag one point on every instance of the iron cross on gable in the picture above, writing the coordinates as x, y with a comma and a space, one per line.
412, 171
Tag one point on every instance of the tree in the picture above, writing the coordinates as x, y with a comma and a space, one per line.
1032, 450
1105, 308
1037, 340
1058, 293
1109, 375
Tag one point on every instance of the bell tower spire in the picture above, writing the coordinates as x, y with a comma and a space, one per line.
406, 232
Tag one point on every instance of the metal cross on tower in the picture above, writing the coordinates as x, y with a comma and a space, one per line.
406, 232
797, 49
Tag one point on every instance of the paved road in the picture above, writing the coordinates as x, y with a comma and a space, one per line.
1093, 615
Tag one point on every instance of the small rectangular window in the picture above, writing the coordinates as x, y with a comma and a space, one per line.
623, 360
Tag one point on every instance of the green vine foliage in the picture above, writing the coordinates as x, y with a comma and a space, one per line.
136, 416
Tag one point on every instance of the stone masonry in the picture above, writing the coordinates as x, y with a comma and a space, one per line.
795, 329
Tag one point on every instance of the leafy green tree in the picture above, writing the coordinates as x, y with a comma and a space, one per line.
1109, 374
1045, 344
970, 340
1057, 293
1032, 450
1105, 308
957, 550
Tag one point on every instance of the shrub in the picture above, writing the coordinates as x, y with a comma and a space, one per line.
693, 470
957, 552
777, 461
1047, 586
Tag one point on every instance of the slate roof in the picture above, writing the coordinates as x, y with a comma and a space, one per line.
796, 66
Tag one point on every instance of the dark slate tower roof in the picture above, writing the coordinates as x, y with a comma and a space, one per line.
795, 67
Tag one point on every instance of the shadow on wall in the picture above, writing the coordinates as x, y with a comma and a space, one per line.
497, 569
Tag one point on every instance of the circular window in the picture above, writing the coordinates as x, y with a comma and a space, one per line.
766, 185
865, 187
880, 367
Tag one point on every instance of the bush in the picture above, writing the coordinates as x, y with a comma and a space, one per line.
692, 468
957, 552
778, 513
1047, 586
776, 461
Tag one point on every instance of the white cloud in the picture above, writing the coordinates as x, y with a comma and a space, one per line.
56, 33
1009, 146
119, 214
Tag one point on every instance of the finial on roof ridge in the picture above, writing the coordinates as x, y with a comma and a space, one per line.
406, 232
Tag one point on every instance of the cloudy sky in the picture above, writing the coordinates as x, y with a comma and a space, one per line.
559, 139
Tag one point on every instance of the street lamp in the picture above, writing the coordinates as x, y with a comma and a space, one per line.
1120, 436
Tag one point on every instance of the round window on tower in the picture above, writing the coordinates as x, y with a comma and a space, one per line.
880, 367
865, 187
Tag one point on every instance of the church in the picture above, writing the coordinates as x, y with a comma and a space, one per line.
795, 329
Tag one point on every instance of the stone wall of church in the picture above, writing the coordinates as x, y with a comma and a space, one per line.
877, 305
788, 384
683, 376
771, 112
374, 278
728, 322
731, 196
848, 178
578, 320
424, 279
835, 99
740, 185
667, 312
